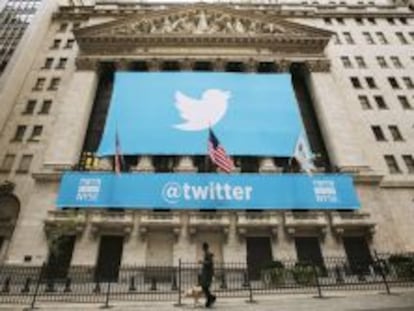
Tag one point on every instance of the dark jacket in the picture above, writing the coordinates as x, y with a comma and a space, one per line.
207, 270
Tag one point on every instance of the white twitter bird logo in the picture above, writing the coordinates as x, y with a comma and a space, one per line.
203, 113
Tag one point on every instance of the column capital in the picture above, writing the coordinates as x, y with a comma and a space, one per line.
186, 64
219, 64
123, 65
283, 65
154, 64
251, 65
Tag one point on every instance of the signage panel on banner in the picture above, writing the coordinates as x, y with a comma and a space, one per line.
169, 113
198, 191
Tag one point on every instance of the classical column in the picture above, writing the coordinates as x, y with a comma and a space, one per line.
86, 248
336, 127
71, 124
234, 249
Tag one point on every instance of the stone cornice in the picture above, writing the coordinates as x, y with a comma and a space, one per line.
282, 11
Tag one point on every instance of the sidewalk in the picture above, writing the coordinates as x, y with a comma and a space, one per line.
401, 300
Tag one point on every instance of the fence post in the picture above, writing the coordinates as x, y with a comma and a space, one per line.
318, 285
108, 291
382, 272
178, 304
249, 287
36, 291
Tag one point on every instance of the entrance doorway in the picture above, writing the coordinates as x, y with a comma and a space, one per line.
358, 254
259, 254
60, 257
109, 258
308, 250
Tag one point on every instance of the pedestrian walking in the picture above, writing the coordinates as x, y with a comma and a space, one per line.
206, 277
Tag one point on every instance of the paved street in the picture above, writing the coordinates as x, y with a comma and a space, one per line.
401, 300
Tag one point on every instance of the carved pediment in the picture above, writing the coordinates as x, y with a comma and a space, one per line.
201, 22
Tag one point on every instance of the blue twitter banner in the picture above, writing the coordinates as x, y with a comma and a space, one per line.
170, 113
209, 191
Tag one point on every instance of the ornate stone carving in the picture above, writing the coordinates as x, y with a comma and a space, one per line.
199, 21
6, 187
84, 63
319, 65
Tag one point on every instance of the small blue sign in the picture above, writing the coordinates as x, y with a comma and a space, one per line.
207, 191
170, 113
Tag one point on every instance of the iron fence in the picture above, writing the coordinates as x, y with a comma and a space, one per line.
32, 284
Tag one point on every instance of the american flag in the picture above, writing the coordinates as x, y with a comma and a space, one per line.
217, 153
119, 159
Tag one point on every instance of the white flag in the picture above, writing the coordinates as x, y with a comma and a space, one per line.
303, 154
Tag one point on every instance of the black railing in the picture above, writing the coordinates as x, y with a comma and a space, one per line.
31, 285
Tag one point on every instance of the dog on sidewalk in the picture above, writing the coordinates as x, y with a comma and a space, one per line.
195, 292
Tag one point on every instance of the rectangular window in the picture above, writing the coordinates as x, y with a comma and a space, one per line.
346, 62
390, 21
45, 106
393, 82
403, 20
36, 133
356, 83
371, 82
412, 35
378, 133
368, 38
327, 21
8, 162
62, 63
408, 82
401, 38
396, 62
372, 20
340, 21
25, 162
30, 107
48, 63
19, 134
40, 83
409, 163
76, 25
395, 133
392, 164
69, 44
63, 27
381, 38
54, 84
405, 104
364, 102
56, 44
348, 38
379, 100
360, 61
382, 62
359, 21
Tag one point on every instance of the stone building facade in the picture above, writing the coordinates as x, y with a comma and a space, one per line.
353, 71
